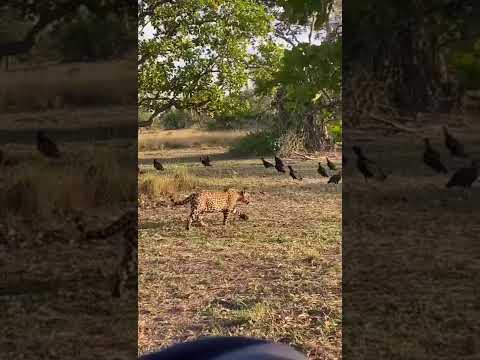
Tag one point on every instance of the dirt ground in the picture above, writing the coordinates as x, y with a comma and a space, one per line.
275, 276
410, 250
55, 290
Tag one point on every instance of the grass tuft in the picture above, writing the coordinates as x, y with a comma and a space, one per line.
154, 186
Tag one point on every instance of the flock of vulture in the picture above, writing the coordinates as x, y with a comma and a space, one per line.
325, 172
463, 177
279, 166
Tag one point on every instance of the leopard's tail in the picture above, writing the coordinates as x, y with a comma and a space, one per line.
115, 227
182, 202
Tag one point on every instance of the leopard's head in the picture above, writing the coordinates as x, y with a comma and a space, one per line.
244, 197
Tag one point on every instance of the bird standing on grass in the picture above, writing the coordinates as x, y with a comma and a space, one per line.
464, 177
294, 174
205, 161
453, 145
367, 167
432, 158
267, 164
335, 179
322, 171
158, 165
330, 164
46, 146
279, 165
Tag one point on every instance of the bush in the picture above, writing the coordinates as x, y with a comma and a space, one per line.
176, 119
154, 186
89, 37
335, 131
258, 144
227, 122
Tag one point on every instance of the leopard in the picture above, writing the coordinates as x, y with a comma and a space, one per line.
127, 268
213, 201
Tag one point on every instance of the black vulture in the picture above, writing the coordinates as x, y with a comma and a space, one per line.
279, 165
335, 179
205, 161
322, 171
367, 167
453, 145
158, 165
267, 164
464, 177
331, 165
46, 146
293, 174
432, 158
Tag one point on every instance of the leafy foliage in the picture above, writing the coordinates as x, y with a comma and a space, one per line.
200, 52
176, 119
259, 144
306, 80
89, 37
466, 65
311, 74
335, 129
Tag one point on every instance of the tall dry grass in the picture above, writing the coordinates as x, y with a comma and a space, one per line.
153, 186
39, 188
57, 86
164, 139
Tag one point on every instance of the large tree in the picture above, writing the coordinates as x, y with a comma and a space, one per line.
403, 46
306, 83
195, 54
38, 15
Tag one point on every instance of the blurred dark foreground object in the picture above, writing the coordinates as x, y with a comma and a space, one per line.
226, 348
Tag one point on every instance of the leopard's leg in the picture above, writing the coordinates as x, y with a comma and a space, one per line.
235, 214
194, 216
120, 280
126, 273
189, 223
127, 269
201, 222
225, 216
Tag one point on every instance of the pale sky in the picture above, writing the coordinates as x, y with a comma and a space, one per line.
303, 37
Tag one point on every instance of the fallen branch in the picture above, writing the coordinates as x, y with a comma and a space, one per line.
394, 124
304, 156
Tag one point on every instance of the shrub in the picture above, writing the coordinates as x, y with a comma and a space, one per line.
36, 188
89, 37
226, 122
259, 144
153, 186
176, 119
335, 130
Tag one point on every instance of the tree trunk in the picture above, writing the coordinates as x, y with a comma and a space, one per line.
316, 136
409, 74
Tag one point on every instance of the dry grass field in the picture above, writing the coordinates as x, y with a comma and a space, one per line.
55, 289
184, 138
56, 86
276, 275
410, 249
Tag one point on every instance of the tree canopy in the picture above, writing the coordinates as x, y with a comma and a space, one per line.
198, 52
410, 38
36, 16
203, 55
